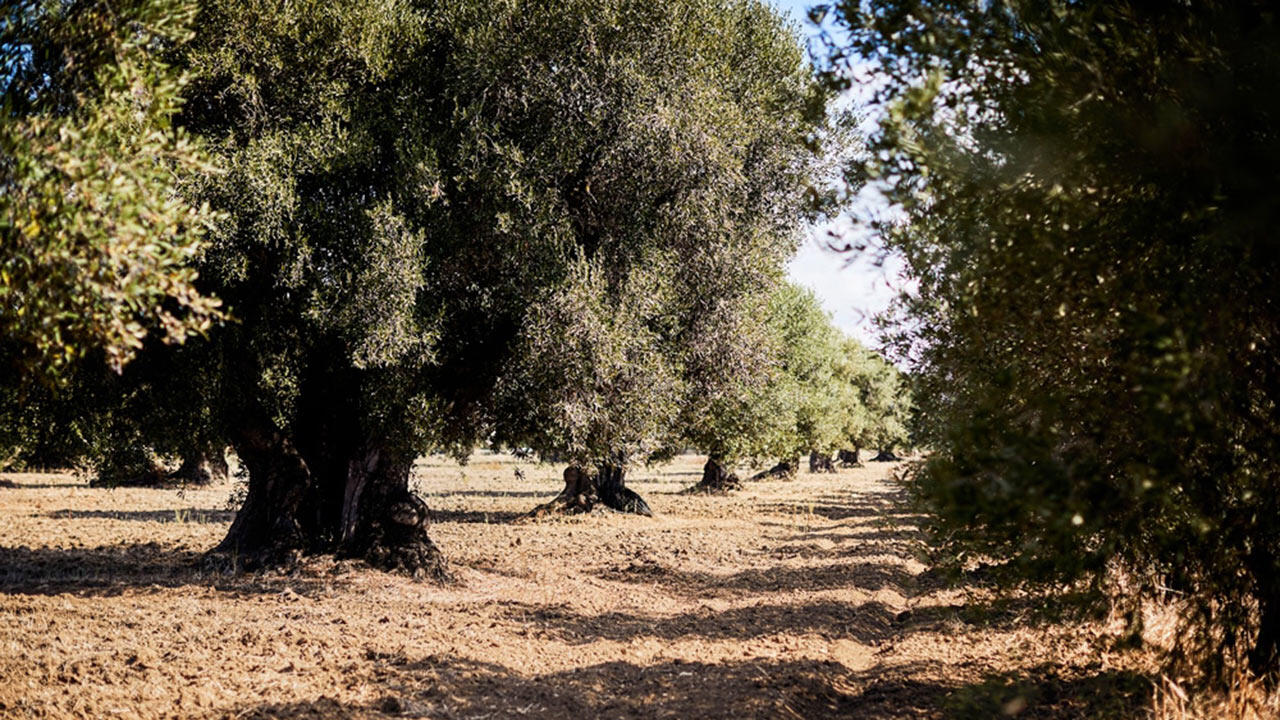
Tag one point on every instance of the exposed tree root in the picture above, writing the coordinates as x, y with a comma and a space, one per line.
821, 463
584, 492
785, 470
716, 480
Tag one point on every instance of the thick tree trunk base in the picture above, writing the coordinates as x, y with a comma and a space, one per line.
716, 480
785, 470
849, 458
584, 492
271, 527
610, 484
578, 496
886, 456
820, 463
397, 540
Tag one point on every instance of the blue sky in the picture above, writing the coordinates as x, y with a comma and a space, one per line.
853, 292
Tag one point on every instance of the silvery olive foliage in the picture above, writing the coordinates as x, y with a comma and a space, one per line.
682, 216
874, 404
98, 242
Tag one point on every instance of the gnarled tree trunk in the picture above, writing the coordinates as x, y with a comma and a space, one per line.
278, 520
850, 458
382, 521
578, 496
351, 501
716, 479
583, 491
820, 463
785, 470
614, 493
886, 455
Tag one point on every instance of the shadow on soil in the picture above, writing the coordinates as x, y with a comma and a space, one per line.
776, 578
486, 517
110, 570
451, 687
549, 493
180, 515
878, 506
869, 623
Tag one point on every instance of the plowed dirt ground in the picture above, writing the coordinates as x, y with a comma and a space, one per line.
800, 599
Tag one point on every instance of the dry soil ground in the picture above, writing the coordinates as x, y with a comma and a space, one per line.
801, 599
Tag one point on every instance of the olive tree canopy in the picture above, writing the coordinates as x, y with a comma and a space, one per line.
1089, 201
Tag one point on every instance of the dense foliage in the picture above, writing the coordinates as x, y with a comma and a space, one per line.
817, 391
96, 240
1088, 201
873, 405
447, 223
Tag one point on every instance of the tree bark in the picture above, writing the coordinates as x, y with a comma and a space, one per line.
886, 455
278, 520
820, 463
382, 521
583, 491
578, 496
614, 493
850, 458
716, 479
202, 467
360, 506
1264, 655
784, 470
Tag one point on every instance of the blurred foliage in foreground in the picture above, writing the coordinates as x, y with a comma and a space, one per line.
1089, 192
96, 240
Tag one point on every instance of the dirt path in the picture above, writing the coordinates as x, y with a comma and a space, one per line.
794, 599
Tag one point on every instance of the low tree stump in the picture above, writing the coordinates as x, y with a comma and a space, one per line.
821, 463
785, 470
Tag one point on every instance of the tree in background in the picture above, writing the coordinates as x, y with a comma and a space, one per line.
874, 402
684, 211
97, 242
733, 410
1090, 211
801, 392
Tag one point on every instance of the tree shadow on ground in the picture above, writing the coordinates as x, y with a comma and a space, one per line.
863, 540
869, 623
776, 578
1028, 609
853, 503
451, 687
179, 515
110, 570
487, 517
548, 493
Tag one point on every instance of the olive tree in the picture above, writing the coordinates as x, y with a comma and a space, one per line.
1087, 201
684, 210
449, 222
873, 402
